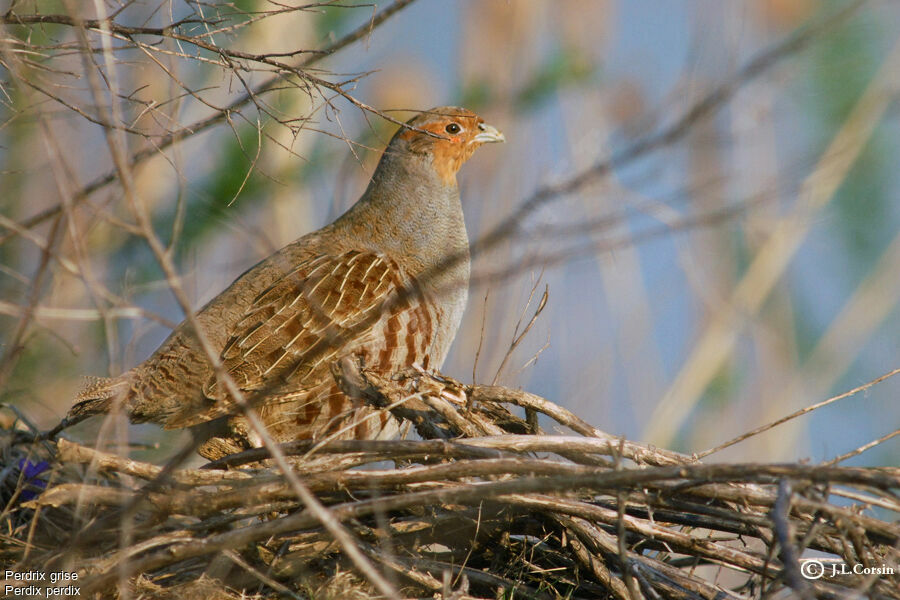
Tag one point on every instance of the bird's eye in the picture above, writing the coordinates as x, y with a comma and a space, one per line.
452, 128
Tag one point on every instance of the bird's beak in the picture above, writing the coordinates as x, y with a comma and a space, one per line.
488, 135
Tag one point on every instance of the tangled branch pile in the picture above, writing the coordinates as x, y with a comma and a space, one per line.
487, 505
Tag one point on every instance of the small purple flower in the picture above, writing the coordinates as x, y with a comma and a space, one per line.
31, 471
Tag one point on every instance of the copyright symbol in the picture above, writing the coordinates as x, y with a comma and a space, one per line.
812, 569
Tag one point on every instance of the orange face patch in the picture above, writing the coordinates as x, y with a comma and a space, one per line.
452, 143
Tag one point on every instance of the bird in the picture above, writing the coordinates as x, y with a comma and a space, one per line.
385, 283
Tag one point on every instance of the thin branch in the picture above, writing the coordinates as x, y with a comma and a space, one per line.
798, 413
202, 125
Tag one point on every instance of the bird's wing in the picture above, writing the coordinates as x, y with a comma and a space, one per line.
327, 306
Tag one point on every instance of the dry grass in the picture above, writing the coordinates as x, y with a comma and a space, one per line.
482, 507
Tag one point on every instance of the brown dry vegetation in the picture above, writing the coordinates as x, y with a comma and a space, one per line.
483, 506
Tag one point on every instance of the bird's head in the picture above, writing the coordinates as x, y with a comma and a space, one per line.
453, 135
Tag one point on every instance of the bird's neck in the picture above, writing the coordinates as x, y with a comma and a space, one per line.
408, 211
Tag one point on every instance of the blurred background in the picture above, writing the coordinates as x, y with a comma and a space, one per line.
707, 191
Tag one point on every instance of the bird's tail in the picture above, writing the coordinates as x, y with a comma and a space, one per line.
96, 397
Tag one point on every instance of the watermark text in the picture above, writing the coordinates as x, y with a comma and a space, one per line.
813, 568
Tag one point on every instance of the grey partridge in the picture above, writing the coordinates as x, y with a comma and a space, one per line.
386, 282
